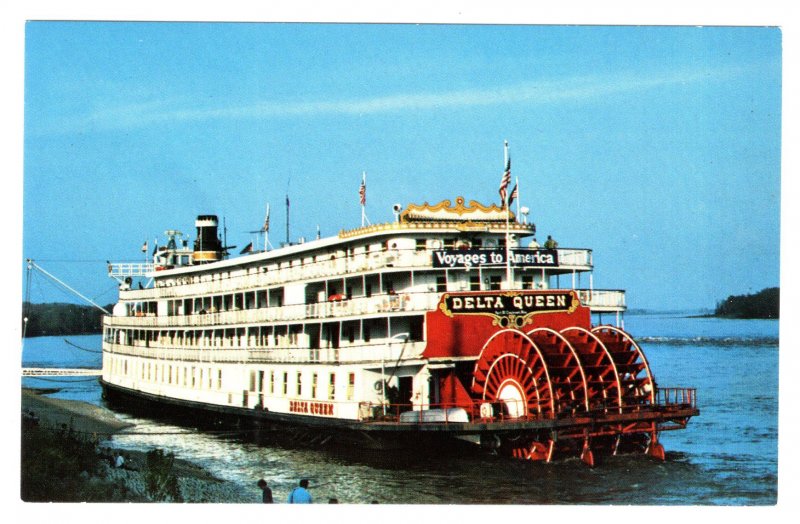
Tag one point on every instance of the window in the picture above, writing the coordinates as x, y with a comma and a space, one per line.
420, 244
474, 283
332, 386
299, 383
441, 284
351, 385
219, 379
285, 383
527, 281
494, 282
272, 382
314, 385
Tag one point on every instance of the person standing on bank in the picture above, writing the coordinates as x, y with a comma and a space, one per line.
266, 493
300, 494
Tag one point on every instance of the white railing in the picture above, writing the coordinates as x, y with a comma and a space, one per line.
130, 269
318, 310
575, 258
341, 267
378, 352
602, 299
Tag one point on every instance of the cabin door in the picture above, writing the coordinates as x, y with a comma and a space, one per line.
333, 334
406, 388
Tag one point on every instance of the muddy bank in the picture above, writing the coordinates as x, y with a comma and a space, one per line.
96, 426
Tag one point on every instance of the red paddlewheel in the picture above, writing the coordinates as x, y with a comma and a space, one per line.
511, 374
602, 376
587, 455
636, 381
565, 370
534, 450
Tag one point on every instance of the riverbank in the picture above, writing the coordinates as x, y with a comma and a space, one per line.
67, 451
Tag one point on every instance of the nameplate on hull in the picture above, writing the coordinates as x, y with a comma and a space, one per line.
307, 407
508, 308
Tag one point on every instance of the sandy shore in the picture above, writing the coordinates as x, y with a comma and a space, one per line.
82, 417
196, 484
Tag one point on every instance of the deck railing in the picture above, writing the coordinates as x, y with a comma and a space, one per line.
484, 411
383, 351
599, 300
669, 397
337, 266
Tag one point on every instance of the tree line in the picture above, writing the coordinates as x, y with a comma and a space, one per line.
764, 304
61, 319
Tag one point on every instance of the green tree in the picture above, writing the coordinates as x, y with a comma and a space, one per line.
764, 304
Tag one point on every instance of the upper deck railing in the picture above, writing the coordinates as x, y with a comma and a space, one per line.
597, 300
276, 274
130, 269
224, 350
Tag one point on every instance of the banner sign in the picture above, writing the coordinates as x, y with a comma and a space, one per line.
508, 308
458, 258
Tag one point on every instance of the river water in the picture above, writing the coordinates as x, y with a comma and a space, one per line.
728, 456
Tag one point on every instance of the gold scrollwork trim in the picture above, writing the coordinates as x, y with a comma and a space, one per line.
445, 207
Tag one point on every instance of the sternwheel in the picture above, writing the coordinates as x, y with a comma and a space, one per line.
511, 375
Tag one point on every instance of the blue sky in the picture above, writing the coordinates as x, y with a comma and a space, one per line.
657, 147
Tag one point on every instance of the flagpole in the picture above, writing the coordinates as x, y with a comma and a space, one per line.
508, 237
266, 229
516, 188
363, 199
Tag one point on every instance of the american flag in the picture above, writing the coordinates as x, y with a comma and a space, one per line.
266, 221
362, 191
514, 194
505, 181
144, 247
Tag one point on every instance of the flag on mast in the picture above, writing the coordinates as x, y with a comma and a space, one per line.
504, 182
144, 247
362, 196
514, 194
266, 221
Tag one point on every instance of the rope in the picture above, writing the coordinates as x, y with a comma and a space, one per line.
90, 379
82, 349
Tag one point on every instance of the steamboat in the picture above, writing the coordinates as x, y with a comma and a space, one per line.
449, 322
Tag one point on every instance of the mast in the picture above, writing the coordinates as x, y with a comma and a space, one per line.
505, 205
362, 192
266, 229
287, 219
